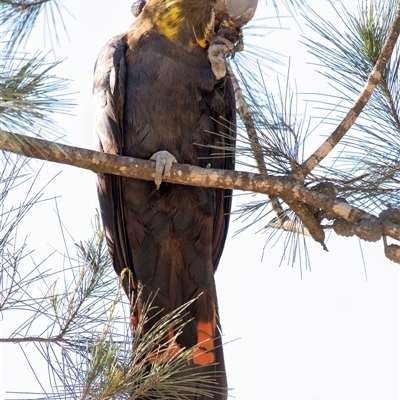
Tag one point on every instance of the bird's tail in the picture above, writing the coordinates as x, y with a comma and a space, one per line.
198, 372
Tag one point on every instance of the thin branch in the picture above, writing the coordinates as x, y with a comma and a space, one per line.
289, 226
32, 339
287, 188
308, 219
247, 118
373, 79
248, 121
310, 223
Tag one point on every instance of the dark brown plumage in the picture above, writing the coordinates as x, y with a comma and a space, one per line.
154, 90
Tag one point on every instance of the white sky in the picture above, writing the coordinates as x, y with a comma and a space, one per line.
330, 335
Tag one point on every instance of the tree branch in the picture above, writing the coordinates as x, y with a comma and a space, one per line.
287, 188
303, 170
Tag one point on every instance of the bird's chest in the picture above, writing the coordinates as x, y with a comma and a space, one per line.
168, 103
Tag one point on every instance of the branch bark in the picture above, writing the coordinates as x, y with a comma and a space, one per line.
287, 188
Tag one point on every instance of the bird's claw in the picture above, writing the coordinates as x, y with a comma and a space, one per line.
225, 44
164, 161
219, 49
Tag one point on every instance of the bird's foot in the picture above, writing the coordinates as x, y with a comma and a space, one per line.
164, 161
227, 42
219, 49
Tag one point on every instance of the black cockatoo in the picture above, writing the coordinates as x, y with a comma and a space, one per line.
159, 93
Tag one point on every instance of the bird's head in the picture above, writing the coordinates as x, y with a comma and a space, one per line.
192, 23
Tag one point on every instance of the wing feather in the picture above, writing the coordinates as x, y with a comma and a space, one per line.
224, 196
108, 101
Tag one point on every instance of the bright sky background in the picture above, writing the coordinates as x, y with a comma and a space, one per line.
330, 334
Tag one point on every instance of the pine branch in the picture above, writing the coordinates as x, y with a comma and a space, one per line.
287, 188
373, 79
30, 94
97, 361
18, 17
311, 225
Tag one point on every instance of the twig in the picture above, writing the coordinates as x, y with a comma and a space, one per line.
32, 339
308, 219
248, 121
289, 226
304, 169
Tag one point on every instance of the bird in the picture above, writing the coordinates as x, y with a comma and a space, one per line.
159, 95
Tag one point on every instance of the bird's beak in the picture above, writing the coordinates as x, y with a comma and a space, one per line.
240, 12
